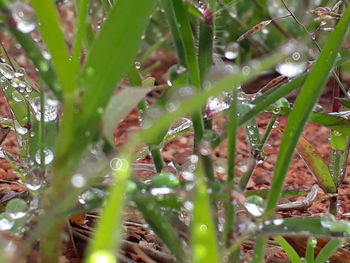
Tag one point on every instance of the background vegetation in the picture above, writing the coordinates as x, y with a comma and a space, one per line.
64, 121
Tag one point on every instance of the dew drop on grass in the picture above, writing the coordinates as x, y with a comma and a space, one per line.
278, 221
102, 256
16, 96
291, 69
231, 51
161, 191
16, 208
6, 222
48, 156
24, 16
6, 71
78, 181
19, 129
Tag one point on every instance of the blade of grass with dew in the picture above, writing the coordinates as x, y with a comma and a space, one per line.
301, 112
328, 250
192, 66
292, 254
307, 98
112, 55
35, 55
151, 134
108, 230
310, 250
204, 244
315, 163
135, 80
161, 227
52, 35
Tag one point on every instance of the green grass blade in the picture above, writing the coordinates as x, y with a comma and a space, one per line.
328, 250
82, 12
292, 254
111, 56
204, 245
160, 226
150, 135
307, 98
52, 35
310, 250
315, 163
119, 106
108, 230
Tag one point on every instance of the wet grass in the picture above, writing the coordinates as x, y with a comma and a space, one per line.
64, 126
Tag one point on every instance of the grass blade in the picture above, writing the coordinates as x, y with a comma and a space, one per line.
302, 109
328, 250
204, 243
52, 34
292, 254
314, 161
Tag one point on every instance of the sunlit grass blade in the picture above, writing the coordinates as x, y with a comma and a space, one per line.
292, 254
328, 250
310, 250
204, 244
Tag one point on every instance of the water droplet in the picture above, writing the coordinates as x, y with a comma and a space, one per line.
50, 107
138, 64
78, 180
16, 96
278, 221
246, 70
19, 129
48, 156
6, 71
231, 51
24, 16
254, 209
291, 69
161, 191
6, 222
16, 208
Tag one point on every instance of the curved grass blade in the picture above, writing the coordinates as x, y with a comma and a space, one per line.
292, 254
302, 108
204, 245
328, 250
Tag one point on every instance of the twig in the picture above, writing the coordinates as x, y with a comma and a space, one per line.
300, 205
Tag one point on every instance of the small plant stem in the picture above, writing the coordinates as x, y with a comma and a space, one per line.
252, 162
82, 11
171, 18
276, 25
135, 80
259, 250
42, 127
232, 137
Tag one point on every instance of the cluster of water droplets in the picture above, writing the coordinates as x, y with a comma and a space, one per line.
50, 109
